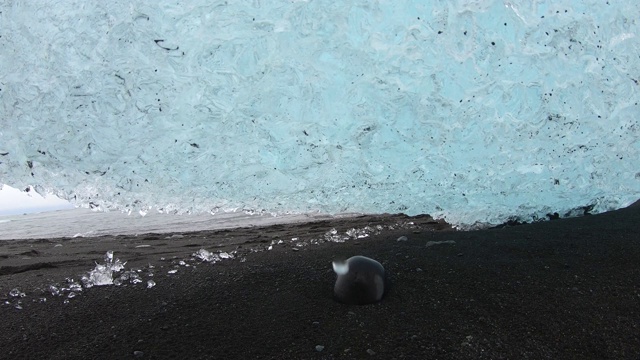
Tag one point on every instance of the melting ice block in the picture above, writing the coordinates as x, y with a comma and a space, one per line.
475, 111
102, 274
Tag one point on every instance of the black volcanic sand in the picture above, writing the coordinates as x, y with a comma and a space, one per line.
563, 289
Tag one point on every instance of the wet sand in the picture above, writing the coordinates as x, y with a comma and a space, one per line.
561, 289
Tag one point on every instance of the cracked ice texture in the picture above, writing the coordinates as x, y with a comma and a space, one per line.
470, 110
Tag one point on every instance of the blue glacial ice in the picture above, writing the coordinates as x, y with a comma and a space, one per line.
475, 111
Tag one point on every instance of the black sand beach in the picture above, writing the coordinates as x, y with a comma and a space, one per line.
562, 289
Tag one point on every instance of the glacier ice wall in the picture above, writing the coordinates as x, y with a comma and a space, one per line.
470, 110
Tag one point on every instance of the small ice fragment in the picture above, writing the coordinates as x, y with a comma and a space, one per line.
332, 235
172, 271
143, 246
103, 274
319, 348
294, 239
225, 255
150, 284
86, 281
402, 238
270, 247
100, 275
131, 275
16, 293
182, 263
71, 295
358, 233
205, 255
57, 245
371, 352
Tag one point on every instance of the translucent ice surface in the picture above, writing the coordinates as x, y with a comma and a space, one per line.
207, 256
102, 274
475, 111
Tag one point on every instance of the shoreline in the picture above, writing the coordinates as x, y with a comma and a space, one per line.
75, 222
566, 288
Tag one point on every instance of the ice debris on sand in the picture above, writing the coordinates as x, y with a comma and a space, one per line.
334, 235
68, 290
15, 296
102, 274
208, 256
358, 233
18, 298
16, 293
